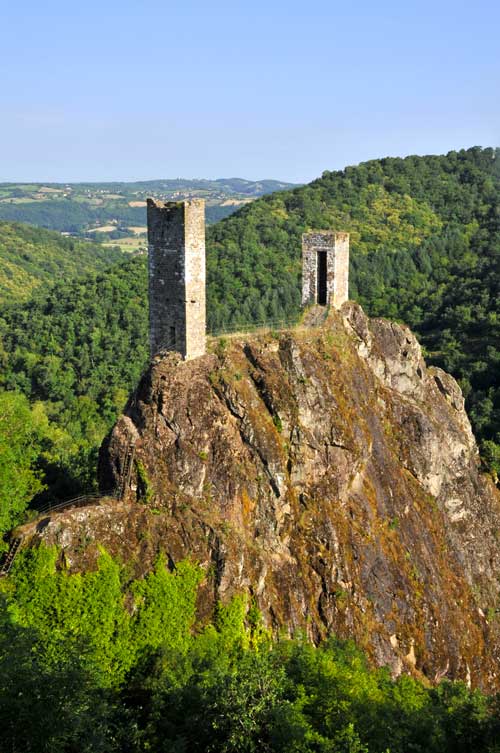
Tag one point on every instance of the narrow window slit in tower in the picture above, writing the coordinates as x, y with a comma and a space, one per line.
172, 335
321, 278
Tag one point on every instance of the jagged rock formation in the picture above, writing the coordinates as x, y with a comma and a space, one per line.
327, 472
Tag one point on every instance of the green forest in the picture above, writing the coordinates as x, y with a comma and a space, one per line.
31, 257
76, 351
104, 663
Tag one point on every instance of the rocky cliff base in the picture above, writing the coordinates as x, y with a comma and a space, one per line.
326, 472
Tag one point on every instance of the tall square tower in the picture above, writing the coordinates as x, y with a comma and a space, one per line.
325, 268
176, 251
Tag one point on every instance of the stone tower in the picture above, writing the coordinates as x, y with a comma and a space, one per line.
325, 268
176, 247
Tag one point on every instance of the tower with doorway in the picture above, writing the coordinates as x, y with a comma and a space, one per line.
176, 255
325, 268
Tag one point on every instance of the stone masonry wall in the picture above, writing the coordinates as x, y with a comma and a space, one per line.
336, 246
338, 287
176, 241
195, 281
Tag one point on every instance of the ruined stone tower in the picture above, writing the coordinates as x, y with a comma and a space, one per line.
325, 268
176, 243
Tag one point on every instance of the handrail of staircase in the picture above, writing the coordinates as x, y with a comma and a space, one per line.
76, 501
7, 558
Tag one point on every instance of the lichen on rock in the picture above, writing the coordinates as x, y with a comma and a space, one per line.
331, 475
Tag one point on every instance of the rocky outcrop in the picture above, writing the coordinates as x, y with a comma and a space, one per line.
327, 473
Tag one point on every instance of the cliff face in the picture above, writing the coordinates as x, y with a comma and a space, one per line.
328, 473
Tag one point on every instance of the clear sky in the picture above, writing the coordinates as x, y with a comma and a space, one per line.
257, 89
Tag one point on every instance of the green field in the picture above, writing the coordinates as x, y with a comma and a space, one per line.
129, 244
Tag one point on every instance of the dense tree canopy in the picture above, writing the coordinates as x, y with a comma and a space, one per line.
99, 663
78, 348
22, 432
30, 257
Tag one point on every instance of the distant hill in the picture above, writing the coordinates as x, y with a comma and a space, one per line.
31, 256
233, 186
116, 210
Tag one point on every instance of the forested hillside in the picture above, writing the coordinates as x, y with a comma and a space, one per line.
76, 351
102, 663
31, 256
425, 249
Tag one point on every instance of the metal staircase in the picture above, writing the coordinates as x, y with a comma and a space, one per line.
127, 470
10, 557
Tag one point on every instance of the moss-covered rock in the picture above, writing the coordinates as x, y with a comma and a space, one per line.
326, 472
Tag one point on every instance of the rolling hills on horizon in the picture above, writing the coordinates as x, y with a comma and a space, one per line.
116, 210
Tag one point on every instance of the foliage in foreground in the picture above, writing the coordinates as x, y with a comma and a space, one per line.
21, 434
77, 350
94, 662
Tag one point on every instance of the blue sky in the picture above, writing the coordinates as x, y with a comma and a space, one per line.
136, 90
